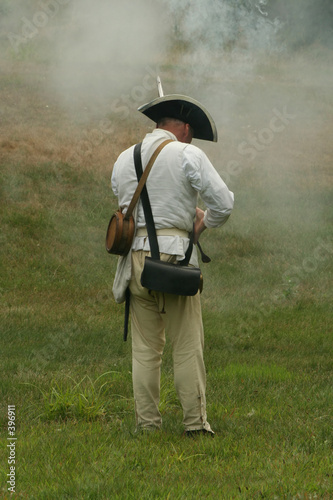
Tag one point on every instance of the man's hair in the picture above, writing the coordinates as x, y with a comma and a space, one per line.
162, 122
167, 120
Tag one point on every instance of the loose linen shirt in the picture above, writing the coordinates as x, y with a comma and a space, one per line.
180, 173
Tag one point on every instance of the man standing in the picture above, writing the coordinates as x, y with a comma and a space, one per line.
180, 174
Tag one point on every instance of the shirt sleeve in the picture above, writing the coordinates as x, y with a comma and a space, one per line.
114, 181
214, 192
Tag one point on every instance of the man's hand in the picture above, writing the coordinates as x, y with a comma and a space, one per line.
199, 225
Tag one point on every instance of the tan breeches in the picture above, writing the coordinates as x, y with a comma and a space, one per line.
152, 316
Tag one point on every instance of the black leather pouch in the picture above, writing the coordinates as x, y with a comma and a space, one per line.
167, 277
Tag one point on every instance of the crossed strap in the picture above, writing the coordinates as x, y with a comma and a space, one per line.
154, 248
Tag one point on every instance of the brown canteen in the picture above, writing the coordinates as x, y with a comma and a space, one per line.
120, 234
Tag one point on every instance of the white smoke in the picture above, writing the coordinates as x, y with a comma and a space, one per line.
223, 41
223, 25
103, 56
102, 50
106, 49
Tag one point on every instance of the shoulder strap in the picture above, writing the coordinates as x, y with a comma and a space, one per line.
144, 176
154, 248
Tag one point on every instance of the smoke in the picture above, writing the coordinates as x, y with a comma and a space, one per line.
107, 49
103, 57
221, 25
98, 51
104, 50
233, 35
95, 51
272, 105
218, 42
265, 74
231, 46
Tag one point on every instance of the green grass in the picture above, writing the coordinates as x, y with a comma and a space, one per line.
267, 308
67, 370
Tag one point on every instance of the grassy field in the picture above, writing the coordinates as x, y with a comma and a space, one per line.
267, 303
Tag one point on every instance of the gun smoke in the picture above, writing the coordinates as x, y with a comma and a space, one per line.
238, 58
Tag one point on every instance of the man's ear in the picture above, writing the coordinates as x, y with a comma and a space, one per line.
189, 132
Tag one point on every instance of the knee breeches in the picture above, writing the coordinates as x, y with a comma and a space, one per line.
153, 316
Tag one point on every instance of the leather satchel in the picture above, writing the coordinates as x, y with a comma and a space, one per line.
167, 277
158, 275
121, 228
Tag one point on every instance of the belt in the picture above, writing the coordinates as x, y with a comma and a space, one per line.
172, 231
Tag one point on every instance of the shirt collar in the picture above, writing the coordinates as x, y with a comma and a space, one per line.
158, 132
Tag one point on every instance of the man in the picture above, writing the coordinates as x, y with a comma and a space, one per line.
180, 173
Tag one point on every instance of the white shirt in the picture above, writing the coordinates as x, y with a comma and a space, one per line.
180, 173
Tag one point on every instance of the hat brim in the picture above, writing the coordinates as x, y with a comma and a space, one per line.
185, 109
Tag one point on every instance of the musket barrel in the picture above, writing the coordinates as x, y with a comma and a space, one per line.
159, 86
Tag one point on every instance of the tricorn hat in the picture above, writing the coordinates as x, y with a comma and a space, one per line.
185, 109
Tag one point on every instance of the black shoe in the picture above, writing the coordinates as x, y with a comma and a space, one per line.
199, 432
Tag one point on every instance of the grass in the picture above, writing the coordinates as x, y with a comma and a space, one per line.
267, 307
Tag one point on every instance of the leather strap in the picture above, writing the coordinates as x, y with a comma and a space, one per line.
144, 176
188, 253
154, 248
127, 312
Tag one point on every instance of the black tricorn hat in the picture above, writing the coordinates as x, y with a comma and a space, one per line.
185, 109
